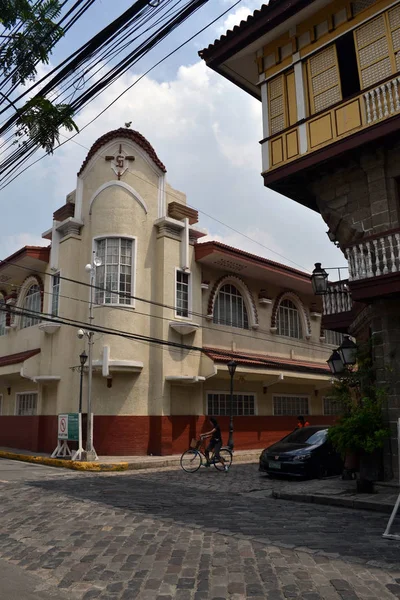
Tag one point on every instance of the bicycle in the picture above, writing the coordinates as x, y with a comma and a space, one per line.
194, 458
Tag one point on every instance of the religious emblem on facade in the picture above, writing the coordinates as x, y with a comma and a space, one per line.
120, 162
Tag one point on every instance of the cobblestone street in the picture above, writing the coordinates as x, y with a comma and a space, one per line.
166, 534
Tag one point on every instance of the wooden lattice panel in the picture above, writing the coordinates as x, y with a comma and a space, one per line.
361, 5
370, 32
394, 18
324, 79
373, 52
276, 108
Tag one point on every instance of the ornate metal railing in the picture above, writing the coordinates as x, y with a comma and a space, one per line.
374, 256
337, 299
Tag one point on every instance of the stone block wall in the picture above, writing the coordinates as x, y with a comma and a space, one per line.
360, 196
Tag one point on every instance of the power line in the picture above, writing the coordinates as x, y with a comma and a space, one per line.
8, 179
292, 344
128, 335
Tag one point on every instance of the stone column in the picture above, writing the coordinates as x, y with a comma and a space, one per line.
385, 329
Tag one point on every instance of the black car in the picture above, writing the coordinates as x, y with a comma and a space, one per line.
305, 452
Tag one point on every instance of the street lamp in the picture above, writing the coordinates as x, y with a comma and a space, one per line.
348, 351
232, 368
335, 363
319, 280
90, 451
83, 359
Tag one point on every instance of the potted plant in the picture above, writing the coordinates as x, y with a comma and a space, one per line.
360, 433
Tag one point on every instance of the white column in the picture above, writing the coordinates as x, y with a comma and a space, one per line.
265, 145
185, 246
78, 198
300, 102
162, 209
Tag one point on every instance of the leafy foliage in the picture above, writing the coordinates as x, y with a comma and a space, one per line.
42, 121
361, 427
33, 32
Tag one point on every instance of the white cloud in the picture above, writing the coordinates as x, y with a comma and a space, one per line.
206, 131
11, 243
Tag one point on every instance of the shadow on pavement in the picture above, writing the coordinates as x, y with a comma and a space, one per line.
207, 501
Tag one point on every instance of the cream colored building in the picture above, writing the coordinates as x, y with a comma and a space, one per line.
169, 313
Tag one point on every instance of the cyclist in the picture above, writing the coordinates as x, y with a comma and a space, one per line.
215, 443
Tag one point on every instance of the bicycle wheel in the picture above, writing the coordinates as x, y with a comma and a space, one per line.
226, 454
191, 461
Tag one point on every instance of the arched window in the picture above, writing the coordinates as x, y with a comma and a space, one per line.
3, 316
32, 304
288, 320
229, 308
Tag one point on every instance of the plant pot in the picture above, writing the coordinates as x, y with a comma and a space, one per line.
364, 486
351, 465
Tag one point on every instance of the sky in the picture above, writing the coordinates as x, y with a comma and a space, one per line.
203, 128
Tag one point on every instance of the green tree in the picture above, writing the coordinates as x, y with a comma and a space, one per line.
30, 33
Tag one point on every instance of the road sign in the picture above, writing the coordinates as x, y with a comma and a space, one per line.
68, 427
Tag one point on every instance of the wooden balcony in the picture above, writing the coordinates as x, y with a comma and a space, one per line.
338, 309
364, 114
374, 266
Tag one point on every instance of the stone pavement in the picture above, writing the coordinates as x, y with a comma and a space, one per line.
164, 534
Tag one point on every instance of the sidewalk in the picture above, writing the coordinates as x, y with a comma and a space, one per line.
115, 463
336, 492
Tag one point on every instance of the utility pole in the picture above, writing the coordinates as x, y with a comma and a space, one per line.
90, 451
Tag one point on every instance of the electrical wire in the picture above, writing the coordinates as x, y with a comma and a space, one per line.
292, 343
10, 177
130, 335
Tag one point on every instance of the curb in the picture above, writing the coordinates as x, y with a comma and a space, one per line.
74, 465
330, 501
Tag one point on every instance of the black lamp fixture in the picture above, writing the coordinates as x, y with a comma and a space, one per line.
83, 358
319, 280
232, 368
348, 351
335, 363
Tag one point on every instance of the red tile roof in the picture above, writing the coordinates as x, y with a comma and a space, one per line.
265, 360
39, 252
129, 134
201, 248
19, 357
256, 25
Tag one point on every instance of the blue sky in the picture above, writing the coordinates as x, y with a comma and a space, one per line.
204, 129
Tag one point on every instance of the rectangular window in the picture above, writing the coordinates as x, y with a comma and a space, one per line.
332, 406
3, 317
55, 294
290, 405
114, 276
182, 293
26, 404
373, 53
219, 404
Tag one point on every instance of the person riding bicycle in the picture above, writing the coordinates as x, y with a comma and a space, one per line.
215, 443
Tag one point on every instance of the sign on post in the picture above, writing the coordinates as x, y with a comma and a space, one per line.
69, 430
68, 427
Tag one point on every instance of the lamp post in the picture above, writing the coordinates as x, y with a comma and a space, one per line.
232, 368
90, 451
83, 359
319, 280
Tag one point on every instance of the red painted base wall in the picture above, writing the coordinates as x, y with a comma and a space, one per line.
135, 436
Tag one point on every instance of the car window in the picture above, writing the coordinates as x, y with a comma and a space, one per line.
307, 436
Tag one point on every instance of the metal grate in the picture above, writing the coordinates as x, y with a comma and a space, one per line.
26, 404
290, 405
219, 405
332, 406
